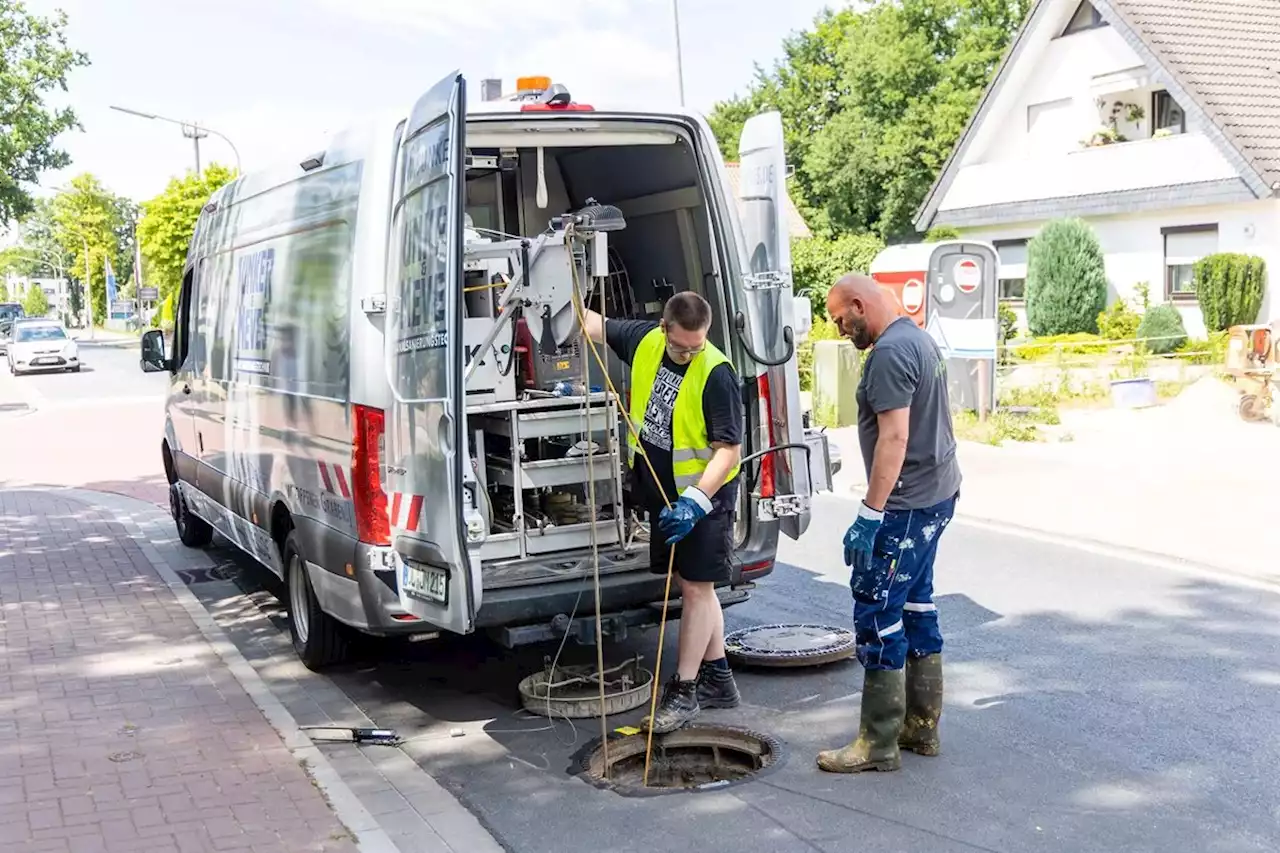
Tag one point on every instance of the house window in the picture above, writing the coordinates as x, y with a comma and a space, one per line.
1013, 269
1184, 246
1166, 115
1085, 18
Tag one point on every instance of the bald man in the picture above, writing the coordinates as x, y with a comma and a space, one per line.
913, 482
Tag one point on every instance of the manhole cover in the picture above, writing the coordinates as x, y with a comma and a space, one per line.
574, 691
789, 645
691, 759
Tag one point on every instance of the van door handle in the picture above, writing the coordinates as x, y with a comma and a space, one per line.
788, 337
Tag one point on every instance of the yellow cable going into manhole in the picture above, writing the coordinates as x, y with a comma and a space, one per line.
671, 557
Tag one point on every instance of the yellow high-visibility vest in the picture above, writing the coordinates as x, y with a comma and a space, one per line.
690, 449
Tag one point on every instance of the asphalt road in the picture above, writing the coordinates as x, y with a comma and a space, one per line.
1095, 702
110, 372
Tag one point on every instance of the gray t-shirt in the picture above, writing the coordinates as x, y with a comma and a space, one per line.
905, 369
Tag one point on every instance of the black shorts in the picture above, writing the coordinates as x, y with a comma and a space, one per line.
703, 556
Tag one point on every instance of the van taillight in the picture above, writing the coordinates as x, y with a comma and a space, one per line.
372, 523
766, 420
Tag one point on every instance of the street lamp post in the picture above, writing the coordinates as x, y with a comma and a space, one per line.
88, 270
675, 13
191, 130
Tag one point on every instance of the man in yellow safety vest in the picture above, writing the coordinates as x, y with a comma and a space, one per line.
686, 403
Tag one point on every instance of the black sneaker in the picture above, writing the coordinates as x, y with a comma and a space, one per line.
678, 707
716, 688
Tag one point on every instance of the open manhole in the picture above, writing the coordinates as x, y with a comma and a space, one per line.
574, 691
789, 645
694, 758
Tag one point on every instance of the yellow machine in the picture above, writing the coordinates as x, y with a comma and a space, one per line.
1253, 362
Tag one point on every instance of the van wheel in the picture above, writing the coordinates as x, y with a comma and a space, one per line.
194, 532
318, 638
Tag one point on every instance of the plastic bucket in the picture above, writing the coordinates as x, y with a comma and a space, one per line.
1133, 393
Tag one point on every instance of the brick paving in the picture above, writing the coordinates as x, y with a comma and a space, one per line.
121, 730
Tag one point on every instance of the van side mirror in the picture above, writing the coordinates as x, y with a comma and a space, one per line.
153, 357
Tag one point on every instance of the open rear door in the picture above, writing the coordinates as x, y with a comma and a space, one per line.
767, 320
426, 424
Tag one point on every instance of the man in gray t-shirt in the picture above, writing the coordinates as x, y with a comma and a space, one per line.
913, 482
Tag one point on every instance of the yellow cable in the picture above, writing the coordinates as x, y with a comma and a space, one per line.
671, 557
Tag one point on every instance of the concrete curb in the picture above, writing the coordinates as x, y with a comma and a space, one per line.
370, 836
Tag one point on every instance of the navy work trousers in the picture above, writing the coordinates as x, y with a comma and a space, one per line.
893, 610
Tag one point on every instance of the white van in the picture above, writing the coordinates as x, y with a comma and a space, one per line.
378, 387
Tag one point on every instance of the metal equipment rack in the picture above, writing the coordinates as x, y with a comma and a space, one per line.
595, 418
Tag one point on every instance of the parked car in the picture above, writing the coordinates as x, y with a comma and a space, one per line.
37, 346
9, 311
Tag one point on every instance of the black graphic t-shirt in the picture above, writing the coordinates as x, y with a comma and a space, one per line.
721, 408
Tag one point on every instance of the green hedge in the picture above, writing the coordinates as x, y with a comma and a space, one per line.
1066, 279
1230, 288
816, 264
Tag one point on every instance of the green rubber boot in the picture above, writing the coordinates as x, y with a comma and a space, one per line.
884, 704
924, 706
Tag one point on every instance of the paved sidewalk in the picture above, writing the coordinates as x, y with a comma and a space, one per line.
121, 728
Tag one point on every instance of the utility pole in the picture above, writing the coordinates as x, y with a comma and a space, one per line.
195, 133
137, 270
675, 13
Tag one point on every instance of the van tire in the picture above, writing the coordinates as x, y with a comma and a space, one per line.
193, 531
318, 638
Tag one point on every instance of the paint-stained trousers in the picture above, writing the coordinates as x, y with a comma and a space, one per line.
893, 610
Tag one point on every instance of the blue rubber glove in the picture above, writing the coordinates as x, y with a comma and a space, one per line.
677, 520
860, 536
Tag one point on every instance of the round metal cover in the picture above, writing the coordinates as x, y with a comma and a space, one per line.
789, 645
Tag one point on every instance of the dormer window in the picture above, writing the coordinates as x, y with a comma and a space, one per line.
1085, 18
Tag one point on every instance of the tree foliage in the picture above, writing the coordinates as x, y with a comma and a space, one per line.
1066, 279
34, 61
91, 218
35, 302
1230, 288
873, 101
168, 221
817, 263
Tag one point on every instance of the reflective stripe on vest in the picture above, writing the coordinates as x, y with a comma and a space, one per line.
691, 452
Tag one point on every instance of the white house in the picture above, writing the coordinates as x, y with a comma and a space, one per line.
1158, 121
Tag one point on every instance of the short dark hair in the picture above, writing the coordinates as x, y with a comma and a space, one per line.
688, 310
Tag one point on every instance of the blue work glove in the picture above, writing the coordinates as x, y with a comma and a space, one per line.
860, 536
677, 520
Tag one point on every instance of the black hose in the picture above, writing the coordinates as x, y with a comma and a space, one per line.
740, 322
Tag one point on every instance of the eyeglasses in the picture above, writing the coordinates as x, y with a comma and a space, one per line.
675, 350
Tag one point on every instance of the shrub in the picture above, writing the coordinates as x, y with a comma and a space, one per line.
1119, 322
1229, 288
1066, 279
1210, 351
817, 263
1081, 343
35, 303
942, 232
1163, 324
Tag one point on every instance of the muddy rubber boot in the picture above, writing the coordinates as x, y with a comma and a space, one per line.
924, 706
884, 703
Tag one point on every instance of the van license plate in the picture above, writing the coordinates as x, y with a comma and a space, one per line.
426, 582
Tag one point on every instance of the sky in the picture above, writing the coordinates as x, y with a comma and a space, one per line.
276, 76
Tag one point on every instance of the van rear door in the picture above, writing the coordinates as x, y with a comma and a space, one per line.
768, 320
426, 423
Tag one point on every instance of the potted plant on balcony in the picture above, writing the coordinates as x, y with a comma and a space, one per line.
1109, 133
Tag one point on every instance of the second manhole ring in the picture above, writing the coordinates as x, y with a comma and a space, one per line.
692, 759
790, 645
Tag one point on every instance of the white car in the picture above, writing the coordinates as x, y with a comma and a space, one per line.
41, 345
